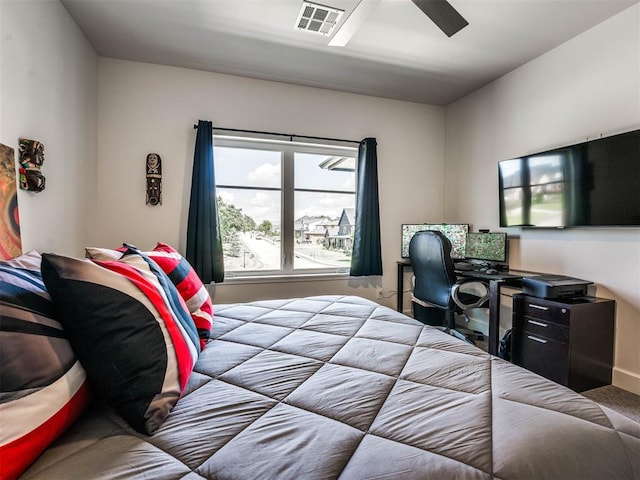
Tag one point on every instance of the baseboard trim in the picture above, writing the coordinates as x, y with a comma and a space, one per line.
626, 380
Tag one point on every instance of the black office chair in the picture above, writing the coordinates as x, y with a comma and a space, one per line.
436, 284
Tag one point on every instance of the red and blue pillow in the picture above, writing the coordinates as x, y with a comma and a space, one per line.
188, 283
43, 386
131, 330
182, 275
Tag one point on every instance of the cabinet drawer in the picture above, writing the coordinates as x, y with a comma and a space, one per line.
543, 309
541, 355
542, 328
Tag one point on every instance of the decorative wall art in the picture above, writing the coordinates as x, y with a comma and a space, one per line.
10, 243
154, 179
31, 160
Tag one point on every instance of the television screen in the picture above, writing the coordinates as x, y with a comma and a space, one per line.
455, 232
595, 183
491, 247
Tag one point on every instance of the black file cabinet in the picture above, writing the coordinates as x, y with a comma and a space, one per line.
569, 341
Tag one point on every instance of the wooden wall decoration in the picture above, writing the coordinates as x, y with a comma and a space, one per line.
10, 242
154, 179
31, 161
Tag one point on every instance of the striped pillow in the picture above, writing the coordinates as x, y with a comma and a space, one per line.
188, 283
131, 330
183, 276
43, 386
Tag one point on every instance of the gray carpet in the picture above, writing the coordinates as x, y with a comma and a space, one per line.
626, 403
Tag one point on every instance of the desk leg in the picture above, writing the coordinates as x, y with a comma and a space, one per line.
400, 304
494, 316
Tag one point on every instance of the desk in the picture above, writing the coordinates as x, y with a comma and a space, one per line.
512, 278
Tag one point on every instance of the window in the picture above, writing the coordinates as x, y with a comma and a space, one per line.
285, 208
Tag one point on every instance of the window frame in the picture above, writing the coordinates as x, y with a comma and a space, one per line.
288, 149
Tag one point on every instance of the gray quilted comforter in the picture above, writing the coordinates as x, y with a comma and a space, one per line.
340, 387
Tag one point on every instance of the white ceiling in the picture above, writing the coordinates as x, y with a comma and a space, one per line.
396, 53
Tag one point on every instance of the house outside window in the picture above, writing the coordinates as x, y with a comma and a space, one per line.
285, 208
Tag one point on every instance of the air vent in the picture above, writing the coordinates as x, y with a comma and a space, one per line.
318, 18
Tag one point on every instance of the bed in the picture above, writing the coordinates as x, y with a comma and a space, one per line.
339, 387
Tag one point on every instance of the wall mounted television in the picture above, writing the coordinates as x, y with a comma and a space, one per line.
455, 232
590, 184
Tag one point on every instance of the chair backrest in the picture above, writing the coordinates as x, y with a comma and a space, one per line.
430, 255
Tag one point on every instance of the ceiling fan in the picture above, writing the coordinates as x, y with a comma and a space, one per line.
441, 12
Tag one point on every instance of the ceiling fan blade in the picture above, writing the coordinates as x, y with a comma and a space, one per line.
443, 15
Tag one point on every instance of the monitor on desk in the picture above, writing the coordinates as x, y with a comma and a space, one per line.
455, 232
489, 247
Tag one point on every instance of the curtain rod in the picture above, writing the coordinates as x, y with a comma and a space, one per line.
291, 136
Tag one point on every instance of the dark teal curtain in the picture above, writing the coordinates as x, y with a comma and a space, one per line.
204, 242
367, 257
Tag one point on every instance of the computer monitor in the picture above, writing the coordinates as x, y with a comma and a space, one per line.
490, 247
455, 232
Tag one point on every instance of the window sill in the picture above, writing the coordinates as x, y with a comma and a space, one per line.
311, 277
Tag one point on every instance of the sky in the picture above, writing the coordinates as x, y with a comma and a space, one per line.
262, 168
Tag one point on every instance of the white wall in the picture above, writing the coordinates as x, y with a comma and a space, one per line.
586, 87
147, 108
48, 90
